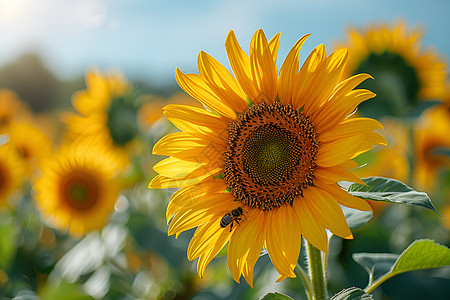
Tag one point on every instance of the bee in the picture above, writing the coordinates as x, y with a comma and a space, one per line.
232, 216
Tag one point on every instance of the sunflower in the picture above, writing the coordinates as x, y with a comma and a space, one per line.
404, 72
151, 109
392, 161
259, 165
77, 187
432, 143
31, 143
11, 108
106, 113
11, 172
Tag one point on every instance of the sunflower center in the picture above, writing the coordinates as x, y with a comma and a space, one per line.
122, 121
270, 155
80, 190
397, 84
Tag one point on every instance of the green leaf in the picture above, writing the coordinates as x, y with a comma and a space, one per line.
64, 290
390, 190
356, 218
7, 241
421, 254
352, 293
275, 296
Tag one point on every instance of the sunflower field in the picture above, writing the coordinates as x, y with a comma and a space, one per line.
307, 166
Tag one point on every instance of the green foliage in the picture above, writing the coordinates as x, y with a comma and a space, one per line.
64, 290
7, 242
390, 190
421, 254
352, 293
275, 296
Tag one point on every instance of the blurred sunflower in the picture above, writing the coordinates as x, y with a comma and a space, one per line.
106, 113
11, 108
259, 165
31, 143
77, 187
391, 161
151, 109
432, 144
404, 72
11, 172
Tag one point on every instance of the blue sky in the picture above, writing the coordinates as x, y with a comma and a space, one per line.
149, 38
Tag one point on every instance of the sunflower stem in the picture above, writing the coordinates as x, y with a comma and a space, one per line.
306, 282
317, 272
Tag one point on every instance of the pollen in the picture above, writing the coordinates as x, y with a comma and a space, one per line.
270, 155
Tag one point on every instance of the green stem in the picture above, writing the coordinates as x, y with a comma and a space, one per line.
317, 272
377, 283
306, 282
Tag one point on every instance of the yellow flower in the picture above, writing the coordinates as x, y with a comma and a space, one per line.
11, 108
392, 160
77, 188
105, 113
11, 172
404, 72
259, 166
431, 135
31, 143
151, 109
388, 161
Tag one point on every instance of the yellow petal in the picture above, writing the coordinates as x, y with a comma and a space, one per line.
311, 71
163, 182
335, 153
215, 240
283, 239
328, 211
336, 110
263, 67
203, 210
221, 82
206, 236
185, 146
342, 196
176, 168
335, 174
182, 170
190, 195
195, 86
312, 228
240, 63
274, 44
247, 240
350, 127
289, 71
327, 75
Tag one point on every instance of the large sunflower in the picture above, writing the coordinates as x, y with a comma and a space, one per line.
106, 112
405, 72
77, 188
259, 165
11, 172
